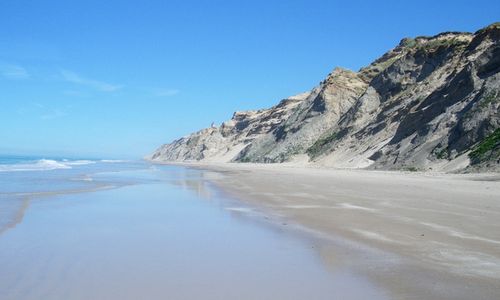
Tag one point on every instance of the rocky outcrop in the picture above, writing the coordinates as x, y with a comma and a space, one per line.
429, 103
223, 143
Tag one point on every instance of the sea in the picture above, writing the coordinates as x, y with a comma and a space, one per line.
118, 229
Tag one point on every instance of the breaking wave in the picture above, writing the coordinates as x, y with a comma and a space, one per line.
43, 165
78, 162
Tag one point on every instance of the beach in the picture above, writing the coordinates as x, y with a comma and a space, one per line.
131, 230
250, 150
419, 235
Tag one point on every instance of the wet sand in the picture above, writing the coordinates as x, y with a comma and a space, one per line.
420, 236
166, 234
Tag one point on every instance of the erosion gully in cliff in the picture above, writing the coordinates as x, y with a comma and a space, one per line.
431, 103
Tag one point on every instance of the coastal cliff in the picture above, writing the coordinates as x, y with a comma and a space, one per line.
431, 103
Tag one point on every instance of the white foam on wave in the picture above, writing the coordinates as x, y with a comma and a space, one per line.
79, 162
39, 165
86, 178
44, 165
50, 164
112, 161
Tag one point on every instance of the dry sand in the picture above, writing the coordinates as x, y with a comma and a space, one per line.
419, 235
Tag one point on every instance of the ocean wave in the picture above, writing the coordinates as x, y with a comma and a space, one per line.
44, 165
51, 164
78, 162
86, 178
39, 165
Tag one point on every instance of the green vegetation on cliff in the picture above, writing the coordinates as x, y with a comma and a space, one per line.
320, 145
489, 148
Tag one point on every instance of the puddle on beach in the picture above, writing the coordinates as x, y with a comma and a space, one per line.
168, 236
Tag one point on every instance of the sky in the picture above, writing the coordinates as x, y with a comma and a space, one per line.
119, 78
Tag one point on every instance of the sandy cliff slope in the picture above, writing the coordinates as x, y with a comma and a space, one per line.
431, 103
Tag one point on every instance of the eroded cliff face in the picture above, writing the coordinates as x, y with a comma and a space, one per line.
430, 103
223, 143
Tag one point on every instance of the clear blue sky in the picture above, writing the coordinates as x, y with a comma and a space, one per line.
118, 78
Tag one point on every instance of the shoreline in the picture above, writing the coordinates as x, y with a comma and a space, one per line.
439, 231
226, 166
159, 238
25, 199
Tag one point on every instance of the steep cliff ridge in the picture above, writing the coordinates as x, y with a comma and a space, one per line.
429, 103
223, 143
